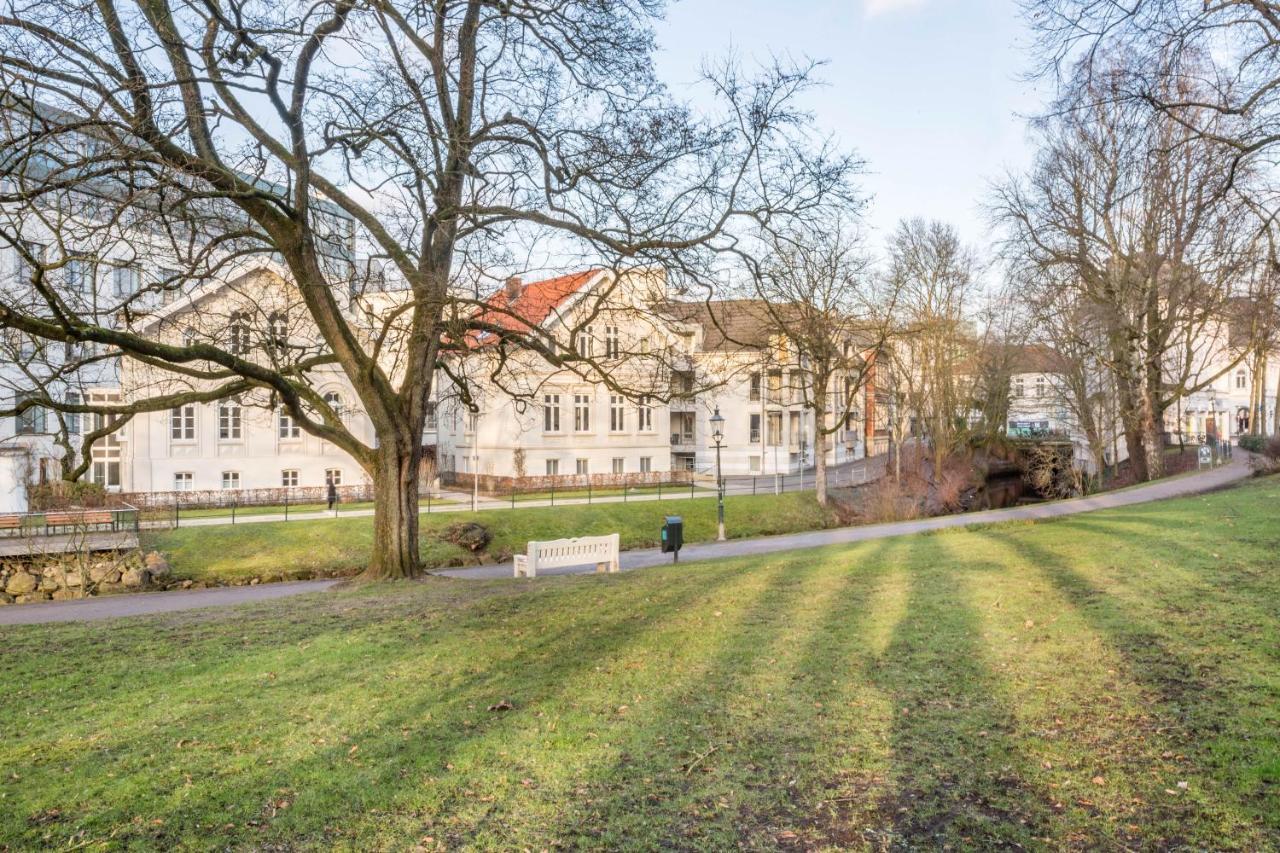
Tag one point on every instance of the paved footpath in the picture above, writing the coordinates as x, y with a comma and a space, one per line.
1185, 484
111, 607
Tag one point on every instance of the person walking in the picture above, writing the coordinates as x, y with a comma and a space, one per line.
333, 493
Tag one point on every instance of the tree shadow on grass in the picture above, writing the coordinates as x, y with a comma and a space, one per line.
958, 775
1196, 701
377, 761
726, 739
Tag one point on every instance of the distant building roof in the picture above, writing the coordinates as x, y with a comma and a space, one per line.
728, 325
521, 307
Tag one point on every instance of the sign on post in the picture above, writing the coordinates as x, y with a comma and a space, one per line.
1206, 456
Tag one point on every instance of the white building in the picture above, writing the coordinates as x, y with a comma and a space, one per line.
698, 357
534, 418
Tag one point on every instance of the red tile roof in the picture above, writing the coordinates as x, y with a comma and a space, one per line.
536, 301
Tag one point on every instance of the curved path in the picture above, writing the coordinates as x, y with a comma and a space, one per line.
1184, 484
168, 602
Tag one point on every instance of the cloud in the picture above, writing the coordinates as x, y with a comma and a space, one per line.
886, 7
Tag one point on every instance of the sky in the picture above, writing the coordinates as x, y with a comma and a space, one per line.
927, 91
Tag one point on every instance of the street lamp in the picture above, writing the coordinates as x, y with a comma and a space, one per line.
717, 435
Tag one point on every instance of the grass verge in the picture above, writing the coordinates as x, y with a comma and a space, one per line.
1108, 681
342, 545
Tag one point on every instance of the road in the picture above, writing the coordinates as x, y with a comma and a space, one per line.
167, 602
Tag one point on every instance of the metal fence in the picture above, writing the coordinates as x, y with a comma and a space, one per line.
70, 521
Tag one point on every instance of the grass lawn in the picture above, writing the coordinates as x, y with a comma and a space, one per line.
1104, 681
294, 548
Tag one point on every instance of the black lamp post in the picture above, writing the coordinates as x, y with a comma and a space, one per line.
717, 435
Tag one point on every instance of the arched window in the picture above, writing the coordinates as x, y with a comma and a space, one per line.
334, 400
238, 333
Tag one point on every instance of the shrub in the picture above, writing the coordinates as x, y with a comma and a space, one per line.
1253, 443
60, 494
890, 500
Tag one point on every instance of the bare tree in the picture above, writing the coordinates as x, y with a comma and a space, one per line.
934, 277
1135, 219
822, 304
1212, 66
429, 137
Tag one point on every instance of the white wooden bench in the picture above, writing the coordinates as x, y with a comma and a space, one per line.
601, 550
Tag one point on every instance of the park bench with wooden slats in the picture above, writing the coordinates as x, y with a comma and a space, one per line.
10, 524
81, 518
584, 550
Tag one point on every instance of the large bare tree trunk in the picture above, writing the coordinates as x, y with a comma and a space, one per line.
1141, 432
820, 456
395, 513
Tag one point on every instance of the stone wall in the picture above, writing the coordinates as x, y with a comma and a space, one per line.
64, 576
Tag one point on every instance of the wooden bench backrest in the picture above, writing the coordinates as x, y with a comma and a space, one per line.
10, 521
60, 519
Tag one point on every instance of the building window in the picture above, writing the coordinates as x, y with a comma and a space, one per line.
431, 417
796, 387
755, 428
1241, 379
580, 466
288, 426
127, 279
26, 267
755, 388
72, 419
106, 473
32, 421
553, 467
289, 477
238, 333
230, 479
586, 346
79, 275
1039, 386
1019, 387
184, 481
617, 414
646, 464
551, 413
229, 421
612, 342
775, 386
644, 415
334, 401
182, 423
582, 412
168, 280
619, 465
775, 429
279, 324
333, 476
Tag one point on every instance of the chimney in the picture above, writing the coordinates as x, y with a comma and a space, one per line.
512, 287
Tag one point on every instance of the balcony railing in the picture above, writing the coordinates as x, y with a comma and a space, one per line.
681, 439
